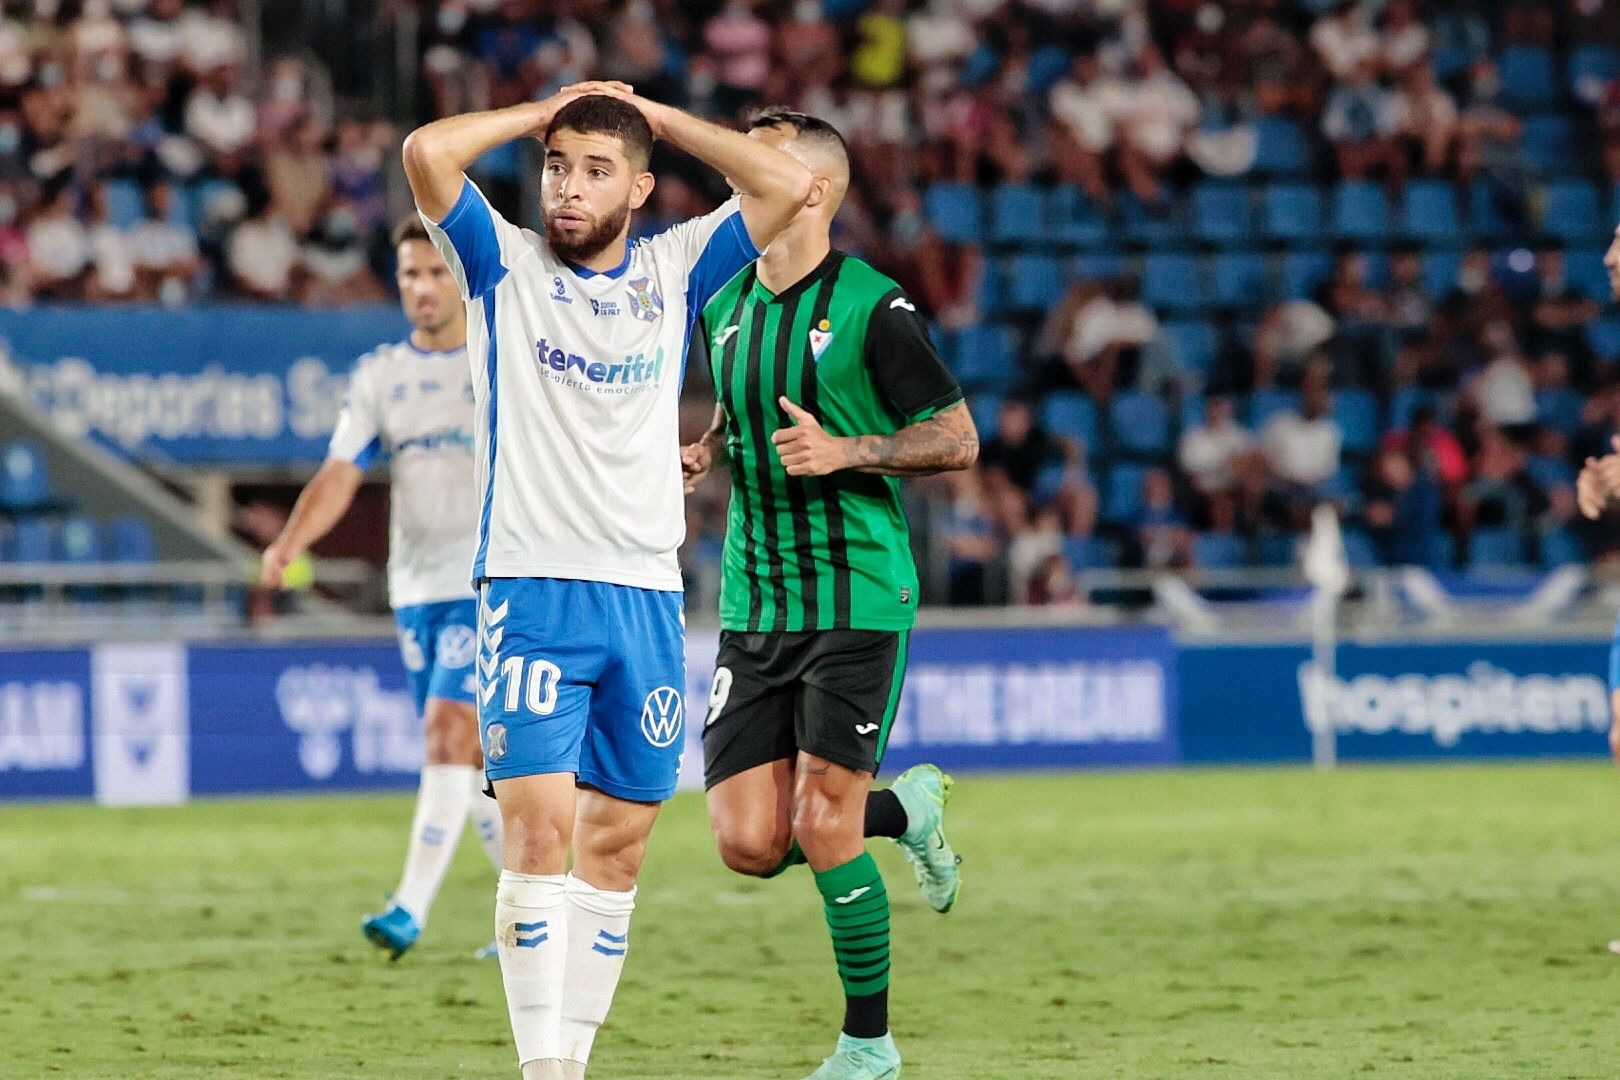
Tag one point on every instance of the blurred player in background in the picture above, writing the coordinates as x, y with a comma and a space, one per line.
411, 402
828, 388
578, 341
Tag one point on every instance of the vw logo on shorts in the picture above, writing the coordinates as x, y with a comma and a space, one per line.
496, 737
457, 646
661, 716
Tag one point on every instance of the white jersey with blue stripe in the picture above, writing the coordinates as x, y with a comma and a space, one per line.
416, 408
577, 379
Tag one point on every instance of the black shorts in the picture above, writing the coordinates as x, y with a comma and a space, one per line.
831, 693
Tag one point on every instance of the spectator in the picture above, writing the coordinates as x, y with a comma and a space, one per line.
1154, 113
335, 273
970, 537
221, 118
112, 253
1403, 41
1427, 122
1219, 459
1100, 331
1302, 449
59, 249
1407, 299
1083, 106
1404, 509
211, 37
166, 257
1559, 314
1360, 119
263, 255
740, 43
1288, 334
16, 279
1026, 470
1501, 493
879, 59
299, 173
1161, 535
1507, 393
1345, 42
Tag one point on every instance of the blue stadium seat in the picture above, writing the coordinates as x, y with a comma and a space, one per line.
1360, 211
32, 541
80, 540
1219, 551
1096, 266
1495, 547
1034, 282
1561, 547
1147, 227
1587, 275
1359, 550
1429, 212
1090, 553
1592, 64
1292, 212
1560, 409
130, 540
1404, 403
1193, 344
1140, 424
1071, 415
1274, 549
1485, 216
1047, 66
1441, 554
981, 356
1303, 272
1439, 272
1549, 144
956, 211
1192, 411
1018, 216
1264, 404
1357, 414
1239, 280
126, 203
1076, 221
992, 295
24, 481
1528, 77
986, 410
1281, 148
1603, 335
1571, 210
1220, 212
1172, 283
1123, 496
1452, 60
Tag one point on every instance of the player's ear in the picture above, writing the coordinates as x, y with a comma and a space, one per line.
821, 189
640, 188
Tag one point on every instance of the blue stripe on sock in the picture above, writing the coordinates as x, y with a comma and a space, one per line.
605, 951
617, 939
529, 943
529, 927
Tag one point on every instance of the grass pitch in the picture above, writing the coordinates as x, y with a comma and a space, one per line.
1425, 922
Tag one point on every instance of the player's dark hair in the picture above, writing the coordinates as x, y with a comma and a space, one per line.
409, 227
599, 114
803, 124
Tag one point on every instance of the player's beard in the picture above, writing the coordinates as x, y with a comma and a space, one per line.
580, 247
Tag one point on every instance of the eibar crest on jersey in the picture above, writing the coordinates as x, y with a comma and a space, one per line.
645, 301
821, 336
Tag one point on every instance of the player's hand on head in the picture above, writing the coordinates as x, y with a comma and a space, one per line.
806, 449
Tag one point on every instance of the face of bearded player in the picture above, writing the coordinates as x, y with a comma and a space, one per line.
587, 191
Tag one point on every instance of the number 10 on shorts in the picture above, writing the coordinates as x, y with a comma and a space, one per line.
532, 682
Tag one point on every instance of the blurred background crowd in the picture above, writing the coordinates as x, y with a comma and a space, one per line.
1200, 266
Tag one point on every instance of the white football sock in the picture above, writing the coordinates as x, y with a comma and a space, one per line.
441, 812
598, 937
531, 936
486, 820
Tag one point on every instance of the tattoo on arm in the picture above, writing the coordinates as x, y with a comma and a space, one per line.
715, 437
944, 442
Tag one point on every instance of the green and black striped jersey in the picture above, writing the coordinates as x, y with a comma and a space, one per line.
846, 345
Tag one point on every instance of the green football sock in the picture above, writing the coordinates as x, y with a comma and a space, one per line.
793, 858
857, 909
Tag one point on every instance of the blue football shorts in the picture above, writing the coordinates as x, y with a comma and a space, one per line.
439, 644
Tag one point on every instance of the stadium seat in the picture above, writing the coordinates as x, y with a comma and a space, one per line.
130, 540
1274, 549
1359, 550
1047, 66
1096, 266
1140, 425
1485, 218
1571, 210
1292, 213
1590, 67
1603, 335
1495, 547
1192, 411
1281, 148
1220, 213
1560, 409
1219, 551
1303, 272
1549, 144
1192, 343
1357, 414
126, 203
1090, 553
1404, 403
80, 540
1528, 79
1429, 212
24, 481
986, 410
1264, 404
1584, 269
1123, 500
1360, 211
1034, 282
1075, 220
32, 541
1172, 283
1018, 216
1441, 552
1239, 280
1561, 547
1154, 228
1439, 271
992, 295
981, 356
1452, 60
1071, 415
956, 212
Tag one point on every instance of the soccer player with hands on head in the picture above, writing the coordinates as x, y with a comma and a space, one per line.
576, 342
828, 388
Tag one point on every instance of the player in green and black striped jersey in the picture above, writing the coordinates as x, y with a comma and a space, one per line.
829, 389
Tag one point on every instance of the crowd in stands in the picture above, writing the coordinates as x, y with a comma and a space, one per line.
1200, 265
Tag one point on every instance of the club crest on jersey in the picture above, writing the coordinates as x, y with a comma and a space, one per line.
645, 302
821, 336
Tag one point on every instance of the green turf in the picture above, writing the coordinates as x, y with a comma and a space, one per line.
1441, 922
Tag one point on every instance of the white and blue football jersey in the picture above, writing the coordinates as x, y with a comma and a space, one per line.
416, 408
577, 379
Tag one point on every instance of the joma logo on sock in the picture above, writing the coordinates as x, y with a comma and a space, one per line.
853, 896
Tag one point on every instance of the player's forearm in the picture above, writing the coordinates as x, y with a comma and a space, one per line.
777, 181
437, 155
321, 505
945, 442
715, 437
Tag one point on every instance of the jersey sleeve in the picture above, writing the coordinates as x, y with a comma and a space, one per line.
357, 438
711, 248
477, 243
904, 364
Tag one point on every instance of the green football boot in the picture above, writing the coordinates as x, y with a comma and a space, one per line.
923, 790
861, 1059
